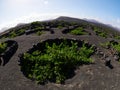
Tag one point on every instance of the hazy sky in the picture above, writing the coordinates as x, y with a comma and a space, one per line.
18, 11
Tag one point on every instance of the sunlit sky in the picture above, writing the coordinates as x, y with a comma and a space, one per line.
23, 11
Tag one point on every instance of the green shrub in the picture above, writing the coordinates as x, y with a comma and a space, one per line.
39, 33
16, 33
39, 28
21, 31
117, 37
99, 32
105, 45
35, 24
78, 31
116, 47
3, 47
55, 62
102, 34
60, 27
12, 34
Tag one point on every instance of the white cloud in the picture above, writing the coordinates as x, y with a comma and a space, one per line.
24, 4
48, 16
45, 2
19, 1
118, 20
115, 22
30, 18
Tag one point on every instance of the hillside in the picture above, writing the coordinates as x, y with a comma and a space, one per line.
97, 58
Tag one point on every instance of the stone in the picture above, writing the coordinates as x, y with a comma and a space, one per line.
108, 62
116, 57
101, 54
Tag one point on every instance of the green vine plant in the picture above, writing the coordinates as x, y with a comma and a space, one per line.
99, 32
56, 62
114, 45
3, 47
78, 31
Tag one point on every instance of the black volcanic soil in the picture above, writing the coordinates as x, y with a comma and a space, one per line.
95, 76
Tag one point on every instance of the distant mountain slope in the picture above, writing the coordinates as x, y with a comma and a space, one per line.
91, 21
68, 20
